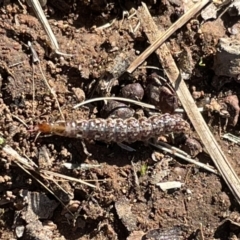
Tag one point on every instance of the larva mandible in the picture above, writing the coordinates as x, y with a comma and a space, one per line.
117, 130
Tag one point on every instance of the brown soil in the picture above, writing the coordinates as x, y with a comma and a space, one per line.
127, 203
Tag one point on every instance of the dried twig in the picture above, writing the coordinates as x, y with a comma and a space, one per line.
172, 72
232, 138
135, 174
37, 61
43, 185
43, 20
27, 165
47, 173
51, 91
16, 157
157, 42
107, 25
81, 166
184, 157
20, 120
115, 98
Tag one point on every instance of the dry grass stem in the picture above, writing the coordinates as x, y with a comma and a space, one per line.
107, 25
184, 157
11, 152
20, 120
232, 138
181, 110
174, 149
117, 99
50, 174
44, 22
24, 164
36, 60
162, 37
51, 91
43, 185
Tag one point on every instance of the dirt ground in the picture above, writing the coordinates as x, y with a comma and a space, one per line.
104, 37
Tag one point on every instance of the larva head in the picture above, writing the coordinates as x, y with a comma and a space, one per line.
44, 128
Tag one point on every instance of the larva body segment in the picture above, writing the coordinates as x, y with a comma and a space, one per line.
118, 130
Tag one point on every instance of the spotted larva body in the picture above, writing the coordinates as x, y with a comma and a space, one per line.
118, 130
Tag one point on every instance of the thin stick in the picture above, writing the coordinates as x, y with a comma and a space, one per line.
44, 22
36, 60
29, 159
20, 120
33, 91
10, 151
115, 98
107, 25
24, 165
202, 165
174, 149
51, 91
67, 177
44, 186
164, 36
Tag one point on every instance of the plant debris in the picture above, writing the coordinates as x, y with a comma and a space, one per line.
71, 63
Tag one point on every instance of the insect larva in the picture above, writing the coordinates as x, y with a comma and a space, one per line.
118, 130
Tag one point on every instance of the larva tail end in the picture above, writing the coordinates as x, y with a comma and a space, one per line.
44, 127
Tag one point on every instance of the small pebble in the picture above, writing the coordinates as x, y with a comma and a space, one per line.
133, 91
188, 191
80, 94
116, 109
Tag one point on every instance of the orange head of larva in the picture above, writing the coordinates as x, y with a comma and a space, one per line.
44, 128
